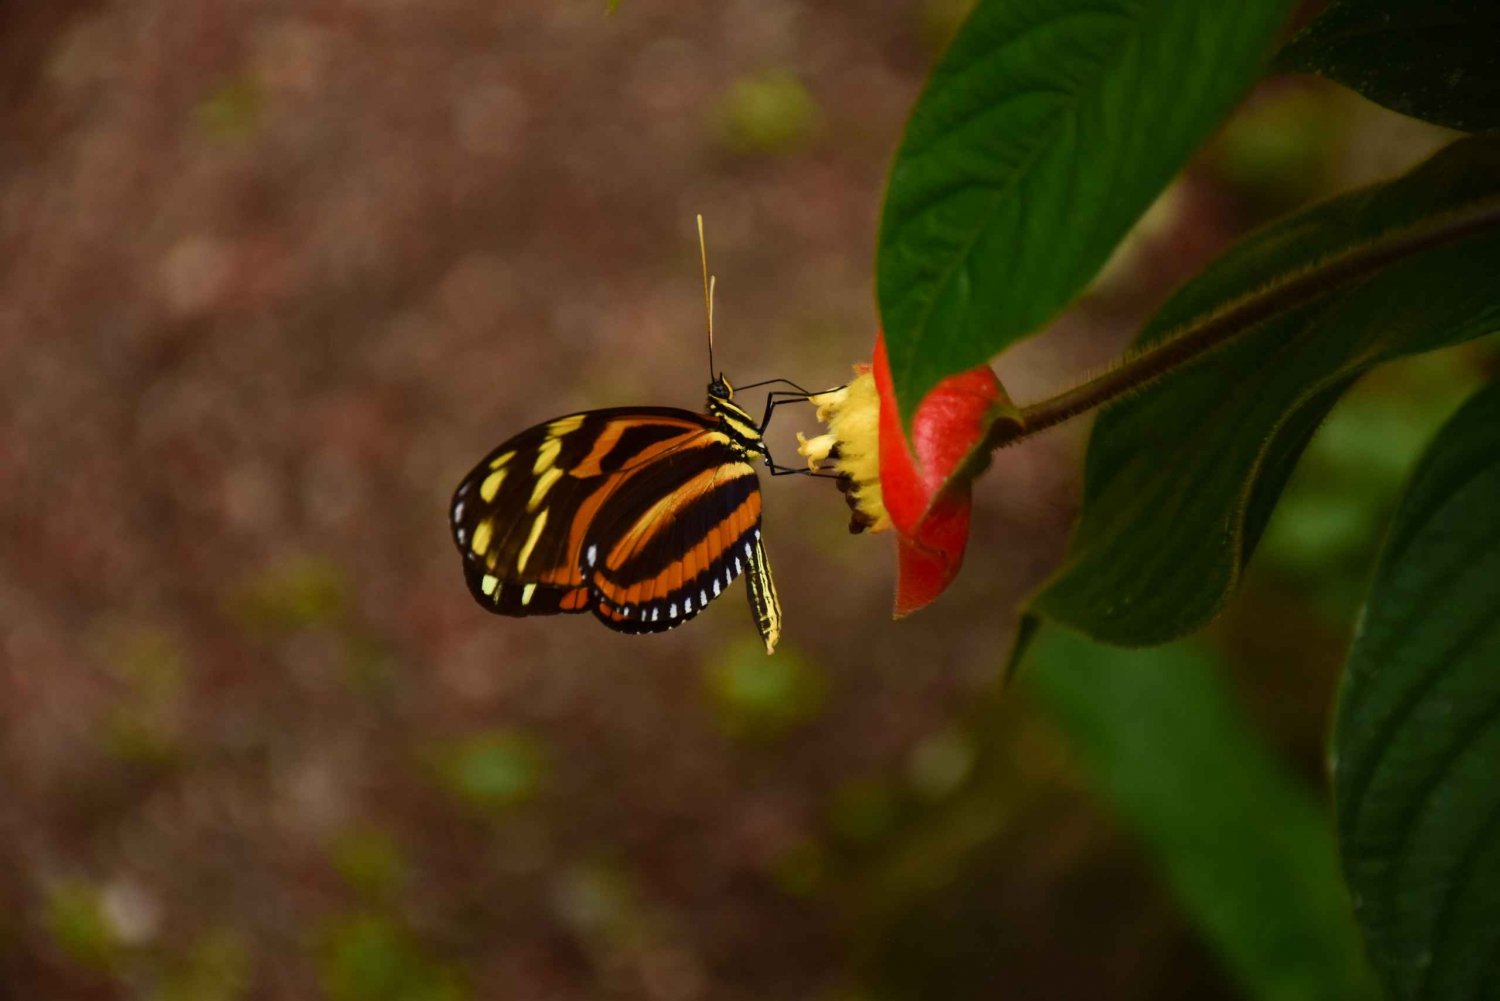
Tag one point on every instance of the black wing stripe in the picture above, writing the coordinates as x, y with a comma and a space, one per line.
700, 517
697, 569
536, 480
688, 598
632, 442
645, 506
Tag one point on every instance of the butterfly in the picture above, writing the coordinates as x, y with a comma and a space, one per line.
640, 515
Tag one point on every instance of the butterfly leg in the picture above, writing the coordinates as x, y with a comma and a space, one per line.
789, 396
776, 398
779, 397
825, 474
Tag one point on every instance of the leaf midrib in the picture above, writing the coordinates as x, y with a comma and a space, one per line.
1129, 38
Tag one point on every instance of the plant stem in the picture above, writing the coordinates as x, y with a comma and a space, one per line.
1243, 315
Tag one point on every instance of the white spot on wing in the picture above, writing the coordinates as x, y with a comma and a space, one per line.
749, 553
703, 597
738, 566
716, 588
673, 610
687, 605
592, 555
458, 511
462, 536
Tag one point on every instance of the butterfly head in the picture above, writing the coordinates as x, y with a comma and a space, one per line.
740, 426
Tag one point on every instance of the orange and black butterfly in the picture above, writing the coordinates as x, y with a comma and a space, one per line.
641, 515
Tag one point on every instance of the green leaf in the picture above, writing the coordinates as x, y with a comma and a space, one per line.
1045, 131
1247, 851
1181, 478
1417, 741
1431, 59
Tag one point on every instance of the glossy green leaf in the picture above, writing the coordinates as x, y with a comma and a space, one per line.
1045, 131
1417, 742
1182, 477
1431, 59
1247, 851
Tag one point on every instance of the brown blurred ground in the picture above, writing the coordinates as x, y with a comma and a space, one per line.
274, 275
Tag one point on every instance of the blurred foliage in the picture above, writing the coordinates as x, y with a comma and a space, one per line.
1278, 151
1339, 501
597, 900
771, 112
756, 697
371, 861
594, 896
800, 870
1248, 852
938, 765
370, 666
142, 725
863, 810
369, 957
491, 771
75, 919
216, 968
300, 592
233, 111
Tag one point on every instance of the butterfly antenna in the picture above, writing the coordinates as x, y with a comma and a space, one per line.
708, 297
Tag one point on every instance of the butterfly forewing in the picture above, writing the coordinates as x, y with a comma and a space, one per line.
641, 515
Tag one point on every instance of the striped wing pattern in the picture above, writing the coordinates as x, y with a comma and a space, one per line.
640, 515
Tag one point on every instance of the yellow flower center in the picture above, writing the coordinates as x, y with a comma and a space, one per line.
852, 443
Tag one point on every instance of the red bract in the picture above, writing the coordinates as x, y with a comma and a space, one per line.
926, 482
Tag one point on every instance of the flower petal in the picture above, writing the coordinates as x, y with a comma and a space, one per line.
926, 563
926, 484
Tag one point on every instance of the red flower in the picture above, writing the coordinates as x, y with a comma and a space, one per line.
920, 488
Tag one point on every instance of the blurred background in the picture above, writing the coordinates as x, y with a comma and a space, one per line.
274, 276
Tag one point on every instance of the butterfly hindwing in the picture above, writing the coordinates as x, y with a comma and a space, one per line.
675, 532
